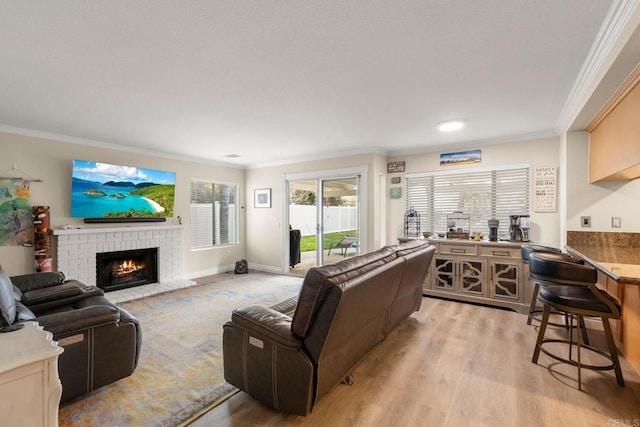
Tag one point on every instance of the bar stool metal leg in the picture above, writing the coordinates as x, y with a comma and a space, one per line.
543, 327
579, 359
585, 337
613, 351
534, 299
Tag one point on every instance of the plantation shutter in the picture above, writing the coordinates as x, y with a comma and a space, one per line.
482, 194
213, 214
202, 227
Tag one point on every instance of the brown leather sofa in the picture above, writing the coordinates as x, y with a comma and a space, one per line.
292, 354
101, 341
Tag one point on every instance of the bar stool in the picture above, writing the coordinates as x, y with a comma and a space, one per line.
525, 252
570, 287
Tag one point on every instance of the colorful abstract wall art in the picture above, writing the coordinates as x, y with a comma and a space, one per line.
16, 223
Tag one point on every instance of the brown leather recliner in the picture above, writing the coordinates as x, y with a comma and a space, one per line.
101, 341
292, 354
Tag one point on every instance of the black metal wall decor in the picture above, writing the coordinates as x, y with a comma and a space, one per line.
411, 223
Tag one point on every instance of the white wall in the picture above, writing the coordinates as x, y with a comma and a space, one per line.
541, 152
600, 201
264, 232
261, 231
51, 161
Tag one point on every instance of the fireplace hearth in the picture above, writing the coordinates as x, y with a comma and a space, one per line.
126, 269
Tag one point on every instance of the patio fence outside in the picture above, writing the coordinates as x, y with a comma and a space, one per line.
336, 219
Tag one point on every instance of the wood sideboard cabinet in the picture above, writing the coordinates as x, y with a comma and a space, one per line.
30, 387
478, 271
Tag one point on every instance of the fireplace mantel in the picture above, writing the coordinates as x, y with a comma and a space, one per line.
87, 230
75, 249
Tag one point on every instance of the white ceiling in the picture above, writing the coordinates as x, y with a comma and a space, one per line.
275, 80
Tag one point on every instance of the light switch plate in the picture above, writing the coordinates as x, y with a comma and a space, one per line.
616, 222
585, 221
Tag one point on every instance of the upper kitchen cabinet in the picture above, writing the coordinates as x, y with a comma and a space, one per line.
614, 140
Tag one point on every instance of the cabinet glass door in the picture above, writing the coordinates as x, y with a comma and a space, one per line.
444, 274
471, 277
504, 279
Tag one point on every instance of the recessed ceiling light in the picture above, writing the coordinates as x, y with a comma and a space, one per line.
450, 126
232, 156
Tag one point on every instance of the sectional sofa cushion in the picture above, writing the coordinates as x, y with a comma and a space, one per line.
7, 300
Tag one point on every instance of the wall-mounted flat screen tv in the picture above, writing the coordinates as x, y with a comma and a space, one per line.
102, 190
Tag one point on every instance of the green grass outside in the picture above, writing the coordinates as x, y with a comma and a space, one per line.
308, 243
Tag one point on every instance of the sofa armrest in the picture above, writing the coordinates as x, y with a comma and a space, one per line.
287, 306
266, 323
80, 319
30, 282
52, 293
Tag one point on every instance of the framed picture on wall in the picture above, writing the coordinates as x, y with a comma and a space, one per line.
262, 198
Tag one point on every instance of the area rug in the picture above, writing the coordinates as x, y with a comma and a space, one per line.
180, 372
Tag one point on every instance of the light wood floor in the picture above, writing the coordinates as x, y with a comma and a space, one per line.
456, 364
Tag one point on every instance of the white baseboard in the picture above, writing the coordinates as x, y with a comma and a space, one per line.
265, 268
230, 268
209, 271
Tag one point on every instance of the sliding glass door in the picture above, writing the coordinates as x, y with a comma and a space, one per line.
325, 213
339, 220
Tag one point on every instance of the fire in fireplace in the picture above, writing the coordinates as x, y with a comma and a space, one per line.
125, 269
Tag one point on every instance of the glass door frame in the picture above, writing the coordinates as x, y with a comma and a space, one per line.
360, 172
320, 214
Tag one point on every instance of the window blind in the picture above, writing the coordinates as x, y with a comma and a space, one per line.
482, 194
213, 214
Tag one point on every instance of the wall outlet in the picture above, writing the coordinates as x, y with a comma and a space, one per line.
585, 221
616, 222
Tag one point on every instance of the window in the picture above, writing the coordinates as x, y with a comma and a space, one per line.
482, 194
214, 217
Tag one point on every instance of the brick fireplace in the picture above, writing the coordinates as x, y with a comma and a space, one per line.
75, 250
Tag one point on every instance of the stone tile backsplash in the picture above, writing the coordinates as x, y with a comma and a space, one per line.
603, 239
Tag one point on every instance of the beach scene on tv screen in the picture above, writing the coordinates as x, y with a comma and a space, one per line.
102, 190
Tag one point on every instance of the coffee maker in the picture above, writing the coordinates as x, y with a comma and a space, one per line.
519, 228
524, 224
493, 229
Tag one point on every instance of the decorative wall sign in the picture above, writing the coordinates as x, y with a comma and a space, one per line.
262, 198
395, 192
393, 167
396, 180
461, 158
544, 188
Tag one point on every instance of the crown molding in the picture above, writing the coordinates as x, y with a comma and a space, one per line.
599, 59
323, 156
110, 146
625, 88
474, 143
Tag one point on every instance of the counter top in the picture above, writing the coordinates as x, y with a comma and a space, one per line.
25, 346
620, 263
465, 241
483, 242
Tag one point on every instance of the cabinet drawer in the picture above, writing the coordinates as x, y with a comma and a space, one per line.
500, 251
449, 248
